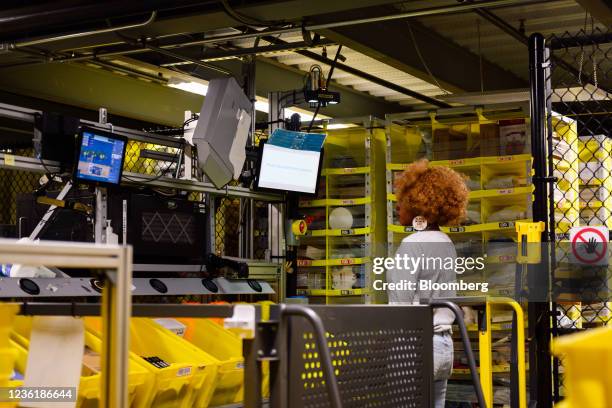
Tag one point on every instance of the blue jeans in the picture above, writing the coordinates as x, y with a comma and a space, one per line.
443, 366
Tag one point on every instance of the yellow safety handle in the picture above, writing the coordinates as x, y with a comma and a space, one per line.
529, 233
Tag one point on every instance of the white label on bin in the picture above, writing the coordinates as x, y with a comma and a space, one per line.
240, 365
183, 371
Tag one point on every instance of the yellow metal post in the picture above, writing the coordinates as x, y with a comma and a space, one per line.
486, 356
529, 233
529, 252
520, 346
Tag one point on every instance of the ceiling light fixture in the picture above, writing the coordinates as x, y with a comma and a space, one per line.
261, 104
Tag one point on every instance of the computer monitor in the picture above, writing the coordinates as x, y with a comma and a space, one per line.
100, 157
286, 169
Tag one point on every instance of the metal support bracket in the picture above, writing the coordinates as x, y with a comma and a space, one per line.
46, 219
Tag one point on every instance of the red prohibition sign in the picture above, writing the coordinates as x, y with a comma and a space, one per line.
579, 235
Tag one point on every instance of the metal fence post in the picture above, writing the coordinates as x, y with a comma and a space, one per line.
539, 315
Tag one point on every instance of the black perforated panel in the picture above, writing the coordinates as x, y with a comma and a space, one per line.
382, 357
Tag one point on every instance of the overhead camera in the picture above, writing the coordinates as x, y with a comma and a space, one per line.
316, 92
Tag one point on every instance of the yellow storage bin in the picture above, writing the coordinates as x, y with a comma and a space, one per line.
587, 358
7, 315
140, 380
7, 360
226, 347
189, 380
8, 364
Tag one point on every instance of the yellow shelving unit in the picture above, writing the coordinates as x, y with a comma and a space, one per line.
595, 176
334, 257
470, 141
566, 168
592, 205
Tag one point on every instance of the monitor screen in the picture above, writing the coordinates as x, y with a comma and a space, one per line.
288, 169
100, 157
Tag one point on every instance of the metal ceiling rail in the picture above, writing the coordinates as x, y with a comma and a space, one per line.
364, 75
311, 27
124, 70
39, 41
397, 16
521, 37
266, 49
195, 61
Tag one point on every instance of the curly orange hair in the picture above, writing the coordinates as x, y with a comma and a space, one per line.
437, 193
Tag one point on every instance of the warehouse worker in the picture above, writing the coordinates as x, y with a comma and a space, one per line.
427, 198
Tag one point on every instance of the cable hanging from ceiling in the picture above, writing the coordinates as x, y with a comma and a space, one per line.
250, 21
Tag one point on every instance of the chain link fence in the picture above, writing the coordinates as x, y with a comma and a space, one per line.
13, 185
580, 159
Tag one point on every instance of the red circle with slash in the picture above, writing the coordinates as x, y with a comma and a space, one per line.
579, 237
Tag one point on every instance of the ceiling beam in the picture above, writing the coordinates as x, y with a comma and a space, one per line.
273, 76
174, 17
90, 88
454, 67
364, 75
522, 38
601, 10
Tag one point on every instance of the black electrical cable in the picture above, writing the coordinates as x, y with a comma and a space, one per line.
249, 21
329, 76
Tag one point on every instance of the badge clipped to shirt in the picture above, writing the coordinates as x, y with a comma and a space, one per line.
419, 223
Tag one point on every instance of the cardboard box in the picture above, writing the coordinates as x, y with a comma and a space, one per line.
92, 361
514, 137
592, 172
449, 144
489, 139
589, 194
589, 216
563, 151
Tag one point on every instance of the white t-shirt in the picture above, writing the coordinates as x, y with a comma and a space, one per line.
430, 246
